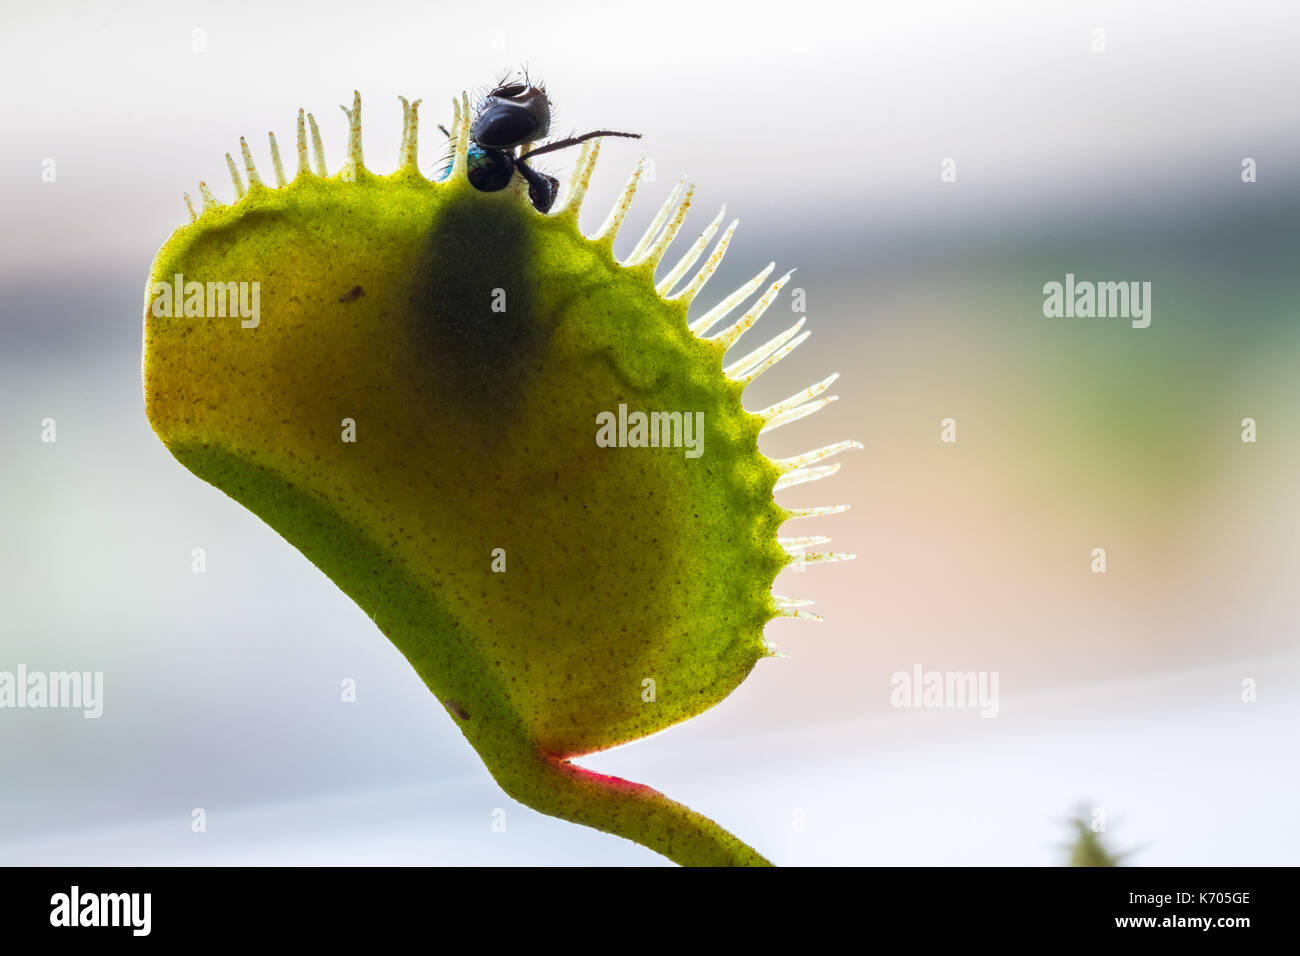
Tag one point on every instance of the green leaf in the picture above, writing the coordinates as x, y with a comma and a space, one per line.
415, 404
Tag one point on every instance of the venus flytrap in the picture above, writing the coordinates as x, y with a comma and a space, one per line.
475, 437
1088, 848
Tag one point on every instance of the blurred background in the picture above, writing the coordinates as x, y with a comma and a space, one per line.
1105, 140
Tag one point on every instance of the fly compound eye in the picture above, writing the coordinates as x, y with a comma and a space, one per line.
511, 116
